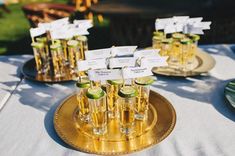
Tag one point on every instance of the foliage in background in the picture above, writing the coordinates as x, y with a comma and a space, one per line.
14, 28
15, 37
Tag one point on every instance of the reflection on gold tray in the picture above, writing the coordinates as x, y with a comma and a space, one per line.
161, 121
201, 64
30, 72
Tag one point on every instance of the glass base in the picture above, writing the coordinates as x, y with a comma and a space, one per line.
100, 130
84, 118
141, 116
127, 130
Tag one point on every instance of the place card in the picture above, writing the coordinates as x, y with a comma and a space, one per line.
60, 34
105, 74
122, 62
151, 62
169, 29
194, 20
46, 26
83, 23
146, 53
191, 29
60, 22
135, 72
161, 23
84, 65
203, 25
180, 19
123, 50
98, 54
36, 31
78, 31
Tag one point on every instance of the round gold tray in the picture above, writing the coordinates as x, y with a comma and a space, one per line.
202, 63
29, 71
161, 121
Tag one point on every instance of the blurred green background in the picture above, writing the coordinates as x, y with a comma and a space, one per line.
123, 29
14, 30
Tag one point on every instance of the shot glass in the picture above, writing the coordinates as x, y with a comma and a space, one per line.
82, 86
176, 48
98, 112
41, 59
127, 101
194, 45
58, 60
159, 33
112, 88
74, 55
65, 50
142, 100
157, 42
44, 41
166, 47
185, 52
83, 44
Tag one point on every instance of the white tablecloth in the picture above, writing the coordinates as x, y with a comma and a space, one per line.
10, 75
205, 125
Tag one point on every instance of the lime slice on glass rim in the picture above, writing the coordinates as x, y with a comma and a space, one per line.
127, 92
148, 80
95, 93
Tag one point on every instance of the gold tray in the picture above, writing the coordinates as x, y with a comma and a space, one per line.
161, 121
30, 72
203, 63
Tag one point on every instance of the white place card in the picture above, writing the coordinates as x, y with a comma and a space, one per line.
60, 34
191, 29
179, 27
180, 19
59, 22
46, 26
135, 72
83, 23
194, 20
161, 23
36, 31
146, 53
122, 62
98, 54
171, 28
78, 31
151, 62
105, 74
123, 50
203, 25
84, 65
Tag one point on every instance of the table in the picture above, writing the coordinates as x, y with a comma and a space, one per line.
205, 125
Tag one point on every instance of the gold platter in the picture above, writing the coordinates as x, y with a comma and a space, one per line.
202, 63
30, 72
161, 121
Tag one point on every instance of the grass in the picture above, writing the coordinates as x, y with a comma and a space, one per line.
14, 30
15, 37
14, 26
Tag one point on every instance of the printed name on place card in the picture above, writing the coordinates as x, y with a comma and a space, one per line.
105, 74
135, 72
